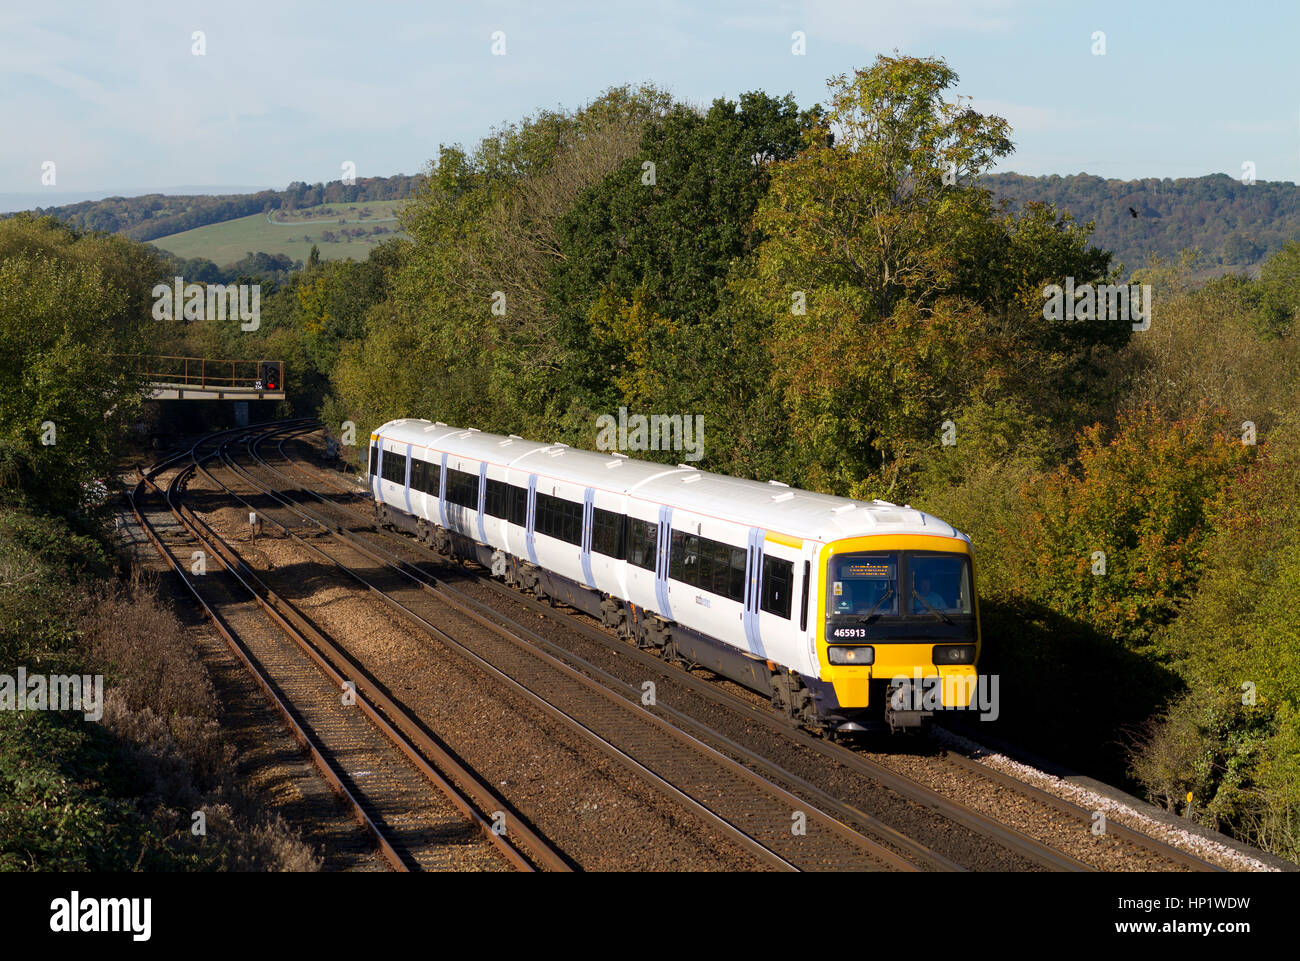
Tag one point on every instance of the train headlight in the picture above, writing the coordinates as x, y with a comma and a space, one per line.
954, 654
852, 655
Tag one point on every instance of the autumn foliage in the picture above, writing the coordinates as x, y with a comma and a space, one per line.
1118, 538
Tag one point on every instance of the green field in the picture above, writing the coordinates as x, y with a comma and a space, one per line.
291, 234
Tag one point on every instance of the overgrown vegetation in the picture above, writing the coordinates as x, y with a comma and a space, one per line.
116, 793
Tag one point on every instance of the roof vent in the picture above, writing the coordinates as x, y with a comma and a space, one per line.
515, 437
687, 467
438, 423
787, 496
692, 478
473, 430
778, 483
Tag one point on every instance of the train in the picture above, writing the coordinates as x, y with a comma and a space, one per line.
849, 616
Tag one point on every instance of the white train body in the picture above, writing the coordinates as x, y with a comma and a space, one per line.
729, 573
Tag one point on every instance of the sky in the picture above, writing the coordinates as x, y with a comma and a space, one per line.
116, 96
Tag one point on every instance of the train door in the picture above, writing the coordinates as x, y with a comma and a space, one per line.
406, 480
442, 492
531, 527
753, 591
482, 501
661, 562
588, 525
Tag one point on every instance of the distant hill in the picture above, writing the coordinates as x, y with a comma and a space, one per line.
337, 230
151, 216
1231, 223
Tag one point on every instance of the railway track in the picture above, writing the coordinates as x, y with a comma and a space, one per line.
781, 828
383, 775
841, 754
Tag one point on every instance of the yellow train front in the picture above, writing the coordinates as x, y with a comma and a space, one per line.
898, 638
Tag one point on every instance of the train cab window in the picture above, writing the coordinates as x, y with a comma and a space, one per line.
393, 466
374, 459
778, 582
559, 518
863, 584
938, 583
642, 543
462, 489
607, 535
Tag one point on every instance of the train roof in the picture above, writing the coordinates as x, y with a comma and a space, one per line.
783, 509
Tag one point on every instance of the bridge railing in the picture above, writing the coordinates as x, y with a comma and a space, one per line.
209, 372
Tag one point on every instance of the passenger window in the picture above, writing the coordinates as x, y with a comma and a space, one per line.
778, 579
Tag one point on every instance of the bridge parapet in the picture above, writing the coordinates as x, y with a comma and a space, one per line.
205, 378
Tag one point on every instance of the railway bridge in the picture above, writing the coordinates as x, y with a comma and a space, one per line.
205, 378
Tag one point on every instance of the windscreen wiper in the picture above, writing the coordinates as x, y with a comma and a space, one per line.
871, 614
933, 610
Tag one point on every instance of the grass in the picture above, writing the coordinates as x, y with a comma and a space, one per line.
292, 234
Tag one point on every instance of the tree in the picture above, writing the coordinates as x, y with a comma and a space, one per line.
71, 307
1280, 283
1119, 541
668, 223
